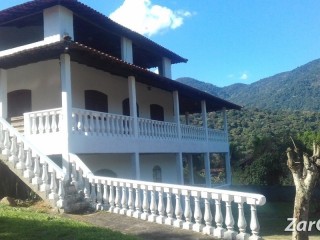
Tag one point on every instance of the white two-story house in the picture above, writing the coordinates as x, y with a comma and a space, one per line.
81, 112
82, 84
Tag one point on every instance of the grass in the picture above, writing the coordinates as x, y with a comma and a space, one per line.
273, 220
27, 223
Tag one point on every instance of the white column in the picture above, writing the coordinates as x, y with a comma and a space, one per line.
165, 68
126, 50
190, 164
58, 23
133, 103
176, 109
135, 162
179, 168
204, 117
3, 94
66, 97
207, 169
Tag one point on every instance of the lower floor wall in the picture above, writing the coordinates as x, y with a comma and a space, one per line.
153, 167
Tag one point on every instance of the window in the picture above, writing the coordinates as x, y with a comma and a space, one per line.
156, 112
96, 101
126, 107
157, 174
19, 102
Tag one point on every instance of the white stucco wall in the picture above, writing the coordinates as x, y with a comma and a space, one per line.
167, 163
121, 165
118, 163
87, 78
43, 79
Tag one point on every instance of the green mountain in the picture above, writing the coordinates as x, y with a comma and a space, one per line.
298, 89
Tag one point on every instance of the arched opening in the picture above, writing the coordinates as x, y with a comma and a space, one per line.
156, 172
156, 112
105, 173
126, 107
96, 101
19, 102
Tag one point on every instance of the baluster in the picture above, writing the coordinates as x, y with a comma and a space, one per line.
40, 124
218, 232
91, 123
108, 123
86, 123
208, 229
47, 127
130, 200
229, 221
21, 156
125, 123
93, 195
79, 122
97, 123
13, 151
28, 173
61, 194
102, 122
45, 187
111, 197
54, 125
123, 209
86, 190
36, 170
121, 130
34, 128
99, 196
145, 203
118, 130
137, 202
74, 176
178, 211
187, 211
160, 219
6, 143
105, 196
112, 126
242, 224
80, 180
197, 212
153, 205
169, 208
254, 223
60, 123
117, 198
53, 187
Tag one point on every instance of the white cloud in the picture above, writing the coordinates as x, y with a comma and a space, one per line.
244, 76
146, 18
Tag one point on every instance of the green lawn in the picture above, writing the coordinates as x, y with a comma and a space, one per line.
27, 223
273, 220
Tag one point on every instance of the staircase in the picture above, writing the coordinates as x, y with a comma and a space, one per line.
18, 123
36, 170
205, 210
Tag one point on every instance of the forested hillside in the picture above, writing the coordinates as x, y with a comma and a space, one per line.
275, 109
298, 89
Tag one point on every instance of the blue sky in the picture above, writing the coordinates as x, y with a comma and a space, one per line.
226, 41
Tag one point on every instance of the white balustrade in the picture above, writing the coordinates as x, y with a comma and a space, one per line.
157, 129
41, 122
101, 124
188, 201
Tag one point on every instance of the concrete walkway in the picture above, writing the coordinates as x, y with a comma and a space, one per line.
142, 229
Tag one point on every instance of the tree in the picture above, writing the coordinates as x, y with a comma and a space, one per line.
305, 170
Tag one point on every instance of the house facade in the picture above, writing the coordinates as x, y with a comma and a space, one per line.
83, 85
83, 120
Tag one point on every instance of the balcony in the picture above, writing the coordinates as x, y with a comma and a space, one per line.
94, 132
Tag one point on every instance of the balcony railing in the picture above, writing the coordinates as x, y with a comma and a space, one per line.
92, 123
